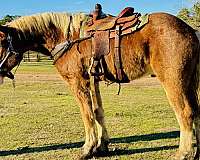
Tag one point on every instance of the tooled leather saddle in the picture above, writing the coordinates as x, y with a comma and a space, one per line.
111, 27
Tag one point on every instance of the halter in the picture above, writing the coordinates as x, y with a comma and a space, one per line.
10, 51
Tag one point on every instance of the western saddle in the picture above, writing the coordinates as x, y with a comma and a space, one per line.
105, 28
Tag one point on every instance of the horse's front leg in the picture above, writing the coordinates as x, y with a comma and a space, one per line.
103, 138
81, 90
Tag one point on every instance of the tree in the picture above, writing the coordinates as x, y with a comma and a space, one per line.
7, 18
191, 16
196, 16
184, 14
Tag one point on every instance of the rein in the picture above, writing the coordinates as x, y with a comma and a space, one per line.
10, 51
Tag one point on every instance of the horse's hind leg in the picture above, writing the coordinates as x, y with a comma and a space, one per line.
197, 133
196, 124
183, 108
103, 138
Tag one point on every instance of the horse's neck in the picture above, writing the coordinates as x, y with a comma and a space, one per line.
46, 30
52, 39
43, 43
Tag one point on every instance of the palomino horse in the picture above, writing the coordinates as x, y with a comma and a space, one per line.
166, 45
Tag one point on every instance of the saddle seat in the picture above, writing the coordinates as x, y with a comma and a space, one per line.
126, 12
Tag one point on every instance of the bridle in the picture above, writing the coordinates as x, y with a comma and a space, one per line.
10, 51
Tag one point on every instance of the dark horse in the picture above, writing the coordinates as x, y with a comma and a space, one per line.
166, 45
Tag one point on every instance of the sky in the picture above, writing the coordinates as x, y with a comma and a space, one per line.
29, 7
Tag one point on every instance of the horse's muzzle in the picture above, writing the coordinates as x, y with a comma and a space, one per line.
6, 74
10, 75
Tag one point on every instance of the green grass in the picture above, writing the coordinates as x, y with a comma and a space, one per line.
40, 119
36, 67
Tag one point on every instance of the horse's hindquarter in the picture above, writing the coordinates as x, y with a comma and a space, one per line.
172, 46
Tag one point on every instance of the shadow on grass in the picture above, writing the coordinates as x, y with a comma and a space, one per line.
147, 137
121, 152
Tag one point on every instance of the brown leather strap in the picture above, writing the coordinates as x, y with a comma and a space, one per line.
100, 44
117, 54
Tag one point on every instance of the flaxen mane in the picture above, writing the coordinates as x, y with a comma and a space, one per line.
31, 26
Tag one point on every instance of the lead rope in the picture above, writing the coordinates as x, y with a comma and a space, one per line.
12, 50
13, 81
119, 89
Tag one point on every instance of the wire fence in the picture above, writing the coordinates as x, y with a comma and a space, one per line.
32, 56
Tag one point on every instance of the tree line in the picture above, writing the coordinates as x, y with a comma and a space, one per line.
7, 19
189, 15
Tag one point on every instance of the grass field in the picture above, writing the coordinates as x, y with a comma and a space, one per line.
40, 119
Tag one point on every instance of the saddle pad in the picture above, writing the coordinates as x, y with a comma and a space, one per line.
102, 24
101, 43
143, 20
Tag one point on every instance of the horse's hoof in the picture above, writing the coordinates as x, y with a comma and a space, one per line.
102, 149
95, 151
100, 153
184, 156
196, 157
87, 152
85, 157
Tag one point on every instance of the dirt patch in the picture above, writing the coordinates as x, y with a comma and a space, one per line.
146, 81
38, 77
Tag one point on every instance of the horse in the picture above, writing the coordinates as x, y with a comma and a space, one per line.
166, 45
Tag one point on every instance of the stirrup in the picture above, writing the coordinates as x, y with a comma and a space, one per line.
95, 68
